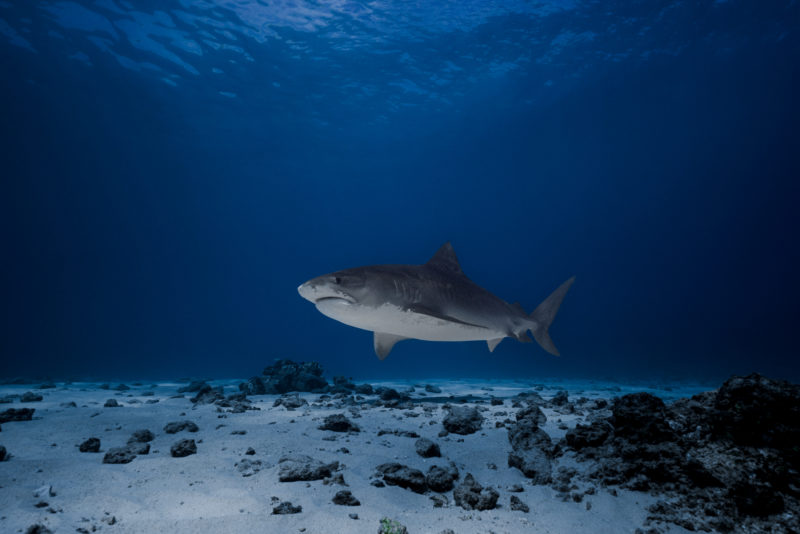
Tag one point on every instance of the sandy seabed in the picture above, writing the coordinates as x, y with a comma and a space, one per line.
47, 481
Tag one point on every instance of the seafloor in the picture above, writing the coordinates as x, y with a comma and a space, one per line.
429, 456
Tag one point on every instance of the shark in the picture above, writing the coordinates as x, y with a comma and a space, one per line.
434, 301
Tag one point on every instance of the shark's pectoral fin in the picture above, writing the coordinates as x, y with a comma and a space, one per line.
493, 343
424, 310
384, 343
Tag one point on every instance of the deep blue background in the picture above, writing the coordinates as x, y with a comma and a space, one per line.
154, 231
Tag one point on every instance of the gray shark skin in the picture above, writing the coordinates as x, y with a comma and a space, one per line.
434, 301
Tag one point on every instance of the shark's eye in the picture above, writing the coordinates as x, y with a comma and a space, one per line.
337, 280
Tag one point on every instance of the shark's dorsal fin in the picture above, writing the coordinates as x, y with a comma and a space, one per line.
518, 307
384, 343
446, 259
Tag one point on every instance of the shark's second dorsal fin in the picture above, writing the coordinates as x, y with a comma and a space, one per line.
446, 260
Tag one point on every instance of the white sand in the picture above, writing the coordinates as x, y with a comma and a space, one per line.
206, 493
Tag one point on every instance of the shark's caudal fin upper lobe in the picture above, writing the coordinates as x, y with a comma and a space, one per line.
544, 314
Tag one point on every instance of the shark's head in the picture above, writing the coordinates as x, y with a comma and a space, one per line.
338, 293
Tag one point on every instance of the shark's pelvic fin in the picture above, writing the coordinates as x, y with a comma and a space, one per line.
493, 343
446, 260
544, 314
384, 343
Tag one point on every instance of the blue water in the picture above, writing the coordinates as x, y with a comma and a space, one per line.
173, 170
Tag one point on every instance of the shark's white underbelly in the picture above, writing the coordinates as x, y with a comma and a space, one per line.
390, 319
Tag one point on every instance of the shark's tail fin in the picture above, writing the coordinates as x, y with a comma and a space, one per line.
544, 314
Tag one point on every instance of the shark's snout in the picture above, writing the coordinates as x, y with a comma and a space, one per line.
320, 289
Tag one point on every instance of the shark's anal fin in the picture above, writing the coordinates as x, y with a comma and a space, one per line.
493, 343
424, 310
384, 343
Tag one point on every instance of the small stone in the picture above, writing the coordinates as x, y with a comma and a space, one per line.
345, 498
175, 427
517, 504
141, 436
250, 451
286, 507
111, 403
119, 455
427, 448
90, 445
30, 396
183, 448
338, 423
352, 516
463, 420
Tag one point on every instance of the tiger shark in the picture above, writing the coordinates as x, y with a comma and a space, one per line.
434, 301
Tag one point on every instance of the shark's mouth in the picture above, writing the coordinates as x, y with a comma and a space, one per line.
334, 300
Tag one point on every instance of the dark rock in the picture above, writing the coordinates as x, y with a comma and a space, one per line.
496, 402
193, 387
112, 403
70, 404
47, 385
560, 398
531, 446
177, 426
364, 389
141, 436
248, 467
287, 508
285, 375
30, 396
640, 417
396, 474
139, 448
759, 500
183, 448
518, 505
250, 451
16, 414
119, 455
432, 389
387, 394
122, 387
90, 445
463, 420
427, 448
472, 496
290, 401
352, 516
345, 498
338, 423
398, 432
441, 479
3, 453
301, 467
38, 529
583, 436
439, 501
756, 411
254, 386
342, 382
208, 395
533, 413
